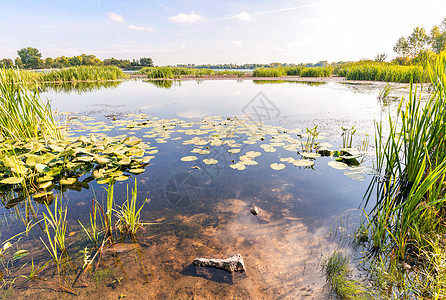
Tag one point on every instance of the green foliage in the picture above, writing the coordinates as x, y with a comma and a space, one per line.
409, 212
293, 71
83, 73
336, 270
129, 216
317, 72
375, 71
22, 114
269, 72
31, 58
178, 72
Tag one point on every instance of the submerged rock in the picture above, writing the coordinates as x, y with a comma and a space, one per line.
255, 210
231, 264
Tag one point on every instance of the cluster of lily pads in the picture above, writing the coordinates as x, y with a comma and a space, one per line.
40, 166
233, 134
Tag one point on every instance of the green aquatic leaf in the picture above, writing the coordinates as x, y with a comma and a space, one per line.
287, 159
12, 180
238, 166
310, 154
19, 254
45, 178
276, 166
101, 160
303, 163
68, 181
121, 178
189, 158
132, 141
337, 165
42, 168
210, 161
104, 181
136, 171
45, 185
98, 173
125, 161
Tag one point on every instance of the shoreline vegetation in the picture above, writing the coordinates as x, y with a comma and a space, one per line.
366, 70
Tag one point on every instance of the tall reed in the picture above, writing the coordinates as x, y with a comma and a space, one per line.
410, 209
23, 115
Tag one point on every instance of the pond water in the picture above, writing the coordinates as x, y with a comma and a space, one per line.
201, 207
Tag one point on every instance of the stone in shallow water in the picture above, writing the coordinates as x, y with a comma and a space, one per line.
231, 264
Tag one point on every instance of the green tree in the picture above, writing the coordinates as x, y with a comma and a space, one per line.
18, 63
90, 60
31, 58
75, 60
48, 62
146, 62
402, 47
6, 63
438, 37
418, 40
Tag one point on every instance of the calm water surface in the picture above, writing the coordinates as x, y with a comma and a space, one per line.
205, 211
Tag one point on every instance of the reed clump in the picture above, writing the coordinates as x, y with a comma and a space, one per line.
83, 73
375, 71
23, 115
294, 71
407, 226
336, 269
178, 72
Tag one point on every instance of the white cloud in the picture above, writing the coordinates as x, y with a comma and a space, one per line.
278, 49
115, 17
236, 43
186, 18
244, 16
140, 28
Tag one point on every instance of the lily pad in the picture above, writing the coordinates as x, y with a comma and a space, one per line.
12, 180
67, 181
337, 165
276, 166
136, 171
238, 166
303, 163
189, 158
310, 154
210, 161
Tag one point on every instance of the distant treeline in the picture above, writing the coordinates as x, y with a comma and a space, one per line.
31, 58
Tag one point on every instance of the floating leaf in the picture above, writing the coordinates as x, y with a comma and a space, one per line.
42, 194
125, 161
121, 178
101, 160
42, 168
45, 185
310, 154
234, 151
238, 166
210, 161
136, 171
337, 165
189, 158
98, 173
276, 166
67, 181
303, 163
287, 159
12, 180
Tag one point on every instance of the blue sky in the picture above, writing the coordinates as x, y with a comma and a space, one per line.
197, 31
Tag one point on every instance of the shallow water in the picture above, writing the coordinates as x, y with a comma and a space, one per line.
205, 212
